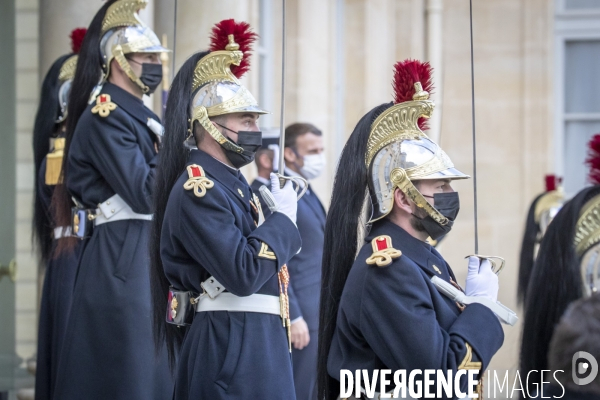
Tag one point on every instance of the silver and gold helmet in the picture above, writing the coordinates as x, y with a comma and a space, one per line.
65, 76
399, 152
122, 33
548, 205
216, 89
67, 72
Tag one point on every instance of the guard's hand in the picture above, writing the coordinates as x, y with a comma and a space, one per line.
481, 280
285, 199
300, 335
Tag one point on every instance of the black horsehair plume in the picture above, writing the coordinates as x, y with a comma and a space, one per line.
349, 193
526, 258
45, 127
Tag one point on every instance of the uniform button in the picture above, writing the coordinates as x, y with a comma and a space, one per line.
112, 211
437, 269
240, 192
108, 203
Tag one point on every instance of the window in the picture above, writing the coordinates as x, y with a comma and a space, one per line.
577, 87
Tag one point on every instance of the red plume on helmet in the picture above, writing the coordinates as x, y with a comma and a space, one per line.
242, 34
77, 36
593, 159
406, 74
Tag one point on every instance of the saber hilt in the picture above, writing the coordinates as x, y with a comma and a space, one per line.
506, 315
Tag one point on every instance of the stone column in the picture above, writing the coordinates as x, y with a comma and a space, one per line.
57, 18
434, 13
310, 69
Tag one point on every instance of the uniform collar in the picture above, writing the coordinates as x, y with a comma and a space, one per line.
423, 254
229, 177
263, 180
128, 102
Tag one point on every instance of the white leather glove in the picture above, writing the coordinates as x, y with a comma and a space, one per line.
285, 199
481, 280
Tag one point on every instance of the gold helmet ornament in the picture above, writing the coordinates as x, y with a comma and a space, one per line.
399, 152
216, 89
122, 33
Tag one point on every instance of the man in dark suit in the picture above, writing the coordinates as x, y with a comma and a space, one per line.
304, 157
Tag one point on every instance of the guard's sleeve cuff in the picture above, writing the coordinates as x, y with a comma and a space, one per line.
480, 327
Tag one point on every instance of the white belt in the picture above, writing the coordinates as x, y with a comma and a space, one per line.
61, 232
260, 303
116, 209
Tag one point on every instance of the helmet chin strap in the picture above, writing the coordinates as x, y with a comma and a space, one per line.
200, 114
400, 180
126, 67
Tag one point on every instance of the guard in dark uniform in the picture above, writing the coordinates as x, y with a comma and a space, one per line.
109, 351
60, 269
541, 212
380, 308
213, 243
566, 269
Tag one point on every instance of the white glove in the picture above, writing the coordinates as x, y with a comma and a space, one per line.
285, 199
481, 280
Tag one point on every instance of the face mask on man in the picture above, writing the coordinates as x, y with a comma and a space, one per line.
448, 204
250, 141
152, 75
313, 165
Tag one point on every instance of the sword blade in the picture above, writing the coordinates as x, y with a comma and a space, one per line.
282, 117
474, 135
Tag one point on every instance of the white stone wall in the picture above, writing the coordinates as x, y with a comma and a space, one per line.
27, 93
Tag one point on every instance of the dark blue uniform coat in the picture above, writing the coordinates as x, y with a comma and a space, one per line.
394, 318
305, 282
55, 305
228, 355
109, 350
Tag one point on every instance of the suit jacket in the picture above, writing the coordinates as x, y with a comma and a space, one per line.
305, 267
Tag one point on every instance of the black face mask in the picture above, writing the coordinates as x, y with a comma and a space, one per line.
448, 204
250, 141
151, 76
